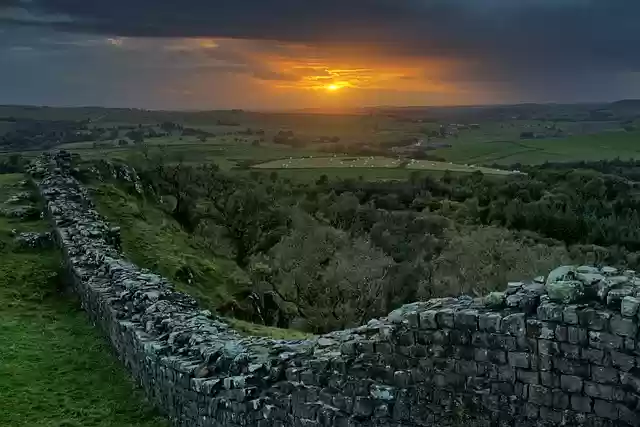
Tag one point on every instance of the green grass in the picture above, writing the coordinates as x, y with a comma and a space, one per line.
600, 146
370, 168
154, 240
55, 368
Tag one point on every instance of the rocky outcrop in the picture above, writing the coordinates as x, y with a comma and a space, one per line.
564, 351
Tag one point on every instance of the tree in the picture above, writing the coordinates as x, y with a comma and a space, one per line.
322, 278
252, 219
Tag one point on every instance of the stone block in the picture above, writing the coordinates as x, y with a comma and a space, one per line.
570, 351
570, 315
623, 326
466, 320
623, 361
502, 342
363, 406
428, 319
528, 377
466, 367
604, 375
481, 355
592, 355
571, 367
551, 416
629, 307
540, 395
531, 411
605, 409
615, 296
593, 320
605, 341
628, 416
519, 360
551, 312
576, 335
561, 333
581, 404
521, 390
498, 357
495, 300
490, 322
560, 399
548, 348
514, 324
549, 379
502, 389
571, 384
566, 292
598, 391
444, 318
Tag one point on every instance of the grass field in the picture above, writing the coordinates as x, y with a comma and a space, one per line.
601, 146
372, 165
55, 368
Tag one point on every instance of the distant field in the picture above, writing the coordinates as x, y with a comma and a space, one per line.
601, 146
223, 151
372, 165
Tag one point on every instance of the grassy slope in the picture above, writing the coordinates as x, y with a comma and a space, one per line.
55, 369
153, 240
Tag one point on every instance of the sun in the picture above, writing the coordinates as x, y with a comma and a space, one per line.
332, 87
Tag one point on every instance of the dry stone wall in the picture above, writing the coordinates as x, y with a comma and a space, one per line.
560, 352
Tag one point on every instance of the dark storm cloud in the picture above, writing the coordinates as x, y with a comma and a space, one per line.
514, 33
539, 49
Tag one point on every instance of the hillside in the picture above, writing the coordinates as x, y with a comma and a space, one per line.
55, 368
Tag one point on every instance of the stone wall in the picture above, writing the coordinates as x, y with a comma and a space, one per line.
535, 355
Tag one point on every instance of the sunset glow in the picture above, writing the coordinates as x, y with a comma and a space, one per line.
333, 87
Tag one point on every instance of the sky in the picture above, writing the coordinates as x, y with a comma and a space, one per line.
286, 54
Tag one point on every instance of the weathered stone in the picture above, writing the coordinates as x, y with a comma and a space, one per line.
566, 291
615, 296
581, 404
561, 273
577, 335
490, 322
623, 361
623, 326
560, 400
428, 319
528, 377
630, 306
609, 271
550, 312
604, 375
598, 391
593, 320
605, 409
570, 315
495, 300
604, 341
571, 383
592, 355
540, 395
466, 319
514, 324
519, 360
444, 318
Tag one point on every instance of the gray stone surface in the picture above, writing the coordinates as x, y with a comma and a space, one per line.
527, 361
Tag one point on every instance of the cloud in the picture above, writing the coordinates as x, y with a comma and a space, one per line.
522, 49
563, 34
